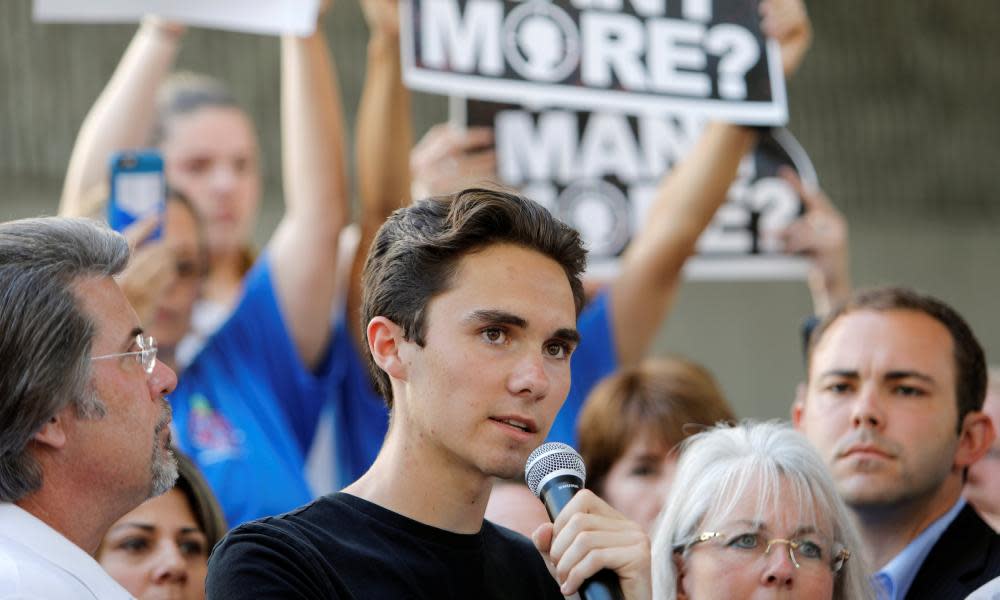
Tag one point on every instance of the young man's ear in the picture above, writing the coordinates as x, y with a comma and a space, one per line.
975, 439
53, 432
385, 340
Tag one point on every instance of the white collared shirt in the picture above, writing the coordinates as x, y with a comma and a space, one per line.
989, 591
37, 562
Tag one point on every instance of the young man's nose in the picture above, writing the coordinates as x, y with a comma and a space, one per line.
529, 378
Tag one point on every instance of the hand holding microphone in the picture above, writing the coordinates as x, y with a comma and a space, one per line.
595, 550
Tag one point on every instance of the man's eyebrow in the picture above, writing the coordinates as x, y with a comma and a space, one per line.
502, 317
499, 317
849, 373
567, 334
894, 375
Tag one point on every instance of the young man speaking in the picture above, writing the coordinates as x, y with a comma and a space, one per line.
470, 304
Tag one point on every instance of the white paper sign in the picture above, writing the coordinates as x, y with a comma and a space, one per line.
268, 17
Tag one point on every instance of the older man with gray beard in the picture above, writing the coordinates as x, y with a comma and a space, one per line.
84, 425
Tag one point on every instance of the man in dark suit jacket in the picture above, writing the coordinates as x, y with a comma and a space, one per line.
966, 555
894, 404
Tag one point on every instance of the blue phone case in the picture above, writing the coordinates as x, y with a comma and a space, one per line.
138, 189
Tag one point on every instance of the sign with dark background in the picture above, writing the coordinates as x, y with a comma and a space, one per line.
635, 56
599, 172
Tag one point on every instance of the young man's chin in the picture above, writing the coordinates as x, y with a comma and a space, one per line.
510, 466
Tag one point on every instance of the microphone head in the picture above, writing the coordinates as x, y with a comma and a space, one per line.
551, 458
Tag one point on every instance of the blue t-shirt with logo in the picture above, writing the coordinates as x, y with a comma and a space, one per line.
360, 416
245, 409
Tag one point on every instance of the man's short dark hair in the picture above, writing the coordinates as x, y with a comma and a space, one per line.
970, 361
417, 250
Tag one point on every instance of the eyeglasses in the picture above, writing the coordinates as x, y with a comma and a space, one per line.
808, 552
145, 355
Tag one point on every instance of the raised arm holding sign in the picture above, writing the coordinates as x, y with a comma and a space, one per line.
641, 295
686, 201
261, 369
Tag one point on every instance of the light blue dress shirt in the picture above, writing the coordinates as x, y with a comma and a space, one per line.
893, 581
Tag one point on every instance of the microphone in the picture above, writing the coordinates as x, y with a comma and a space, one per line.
555, 472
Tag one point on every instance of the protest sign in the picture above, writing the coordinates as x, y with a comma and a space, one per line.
599, 173
270, 17
637, 56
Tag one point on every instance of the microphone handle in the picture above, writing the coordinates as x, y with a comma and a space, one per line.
602, 585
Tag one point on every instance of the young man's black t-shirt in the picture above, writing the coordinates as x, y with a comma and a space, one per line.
341, 546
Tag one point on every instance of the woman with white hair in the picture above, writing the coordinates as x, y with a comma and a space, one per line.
753, 511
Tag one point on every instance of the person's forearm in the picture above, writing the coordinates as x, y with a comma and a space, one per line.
384, 134
312, 133
685, 204
124, 113
384, 140
831, 286
303, 249
690, 195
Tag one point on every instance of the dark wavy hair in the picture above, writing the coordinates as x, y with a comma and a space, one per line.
415, 254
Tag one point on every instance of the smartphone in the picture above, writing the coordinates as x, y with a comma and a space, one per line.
138, 189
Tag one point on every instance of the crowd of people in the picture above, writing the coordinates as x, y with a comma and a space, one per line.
160, 395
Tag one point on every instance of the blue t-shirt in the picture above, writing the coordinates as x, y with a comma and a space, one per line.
361, 418
245, 410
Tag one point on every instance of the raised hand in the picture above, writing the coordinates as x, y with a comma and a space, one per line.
448, 159
820, 234
787, 22
382, 16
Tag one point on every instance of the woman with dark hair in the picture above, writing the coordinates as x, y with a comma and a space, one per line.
630, 427
161, 548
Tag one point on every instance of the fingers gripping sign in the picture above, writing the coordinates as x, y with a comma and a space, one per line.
588, 536
821, 233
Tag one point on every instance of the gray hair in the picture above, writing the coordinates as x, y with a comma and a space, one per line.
45, 337
719, 467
